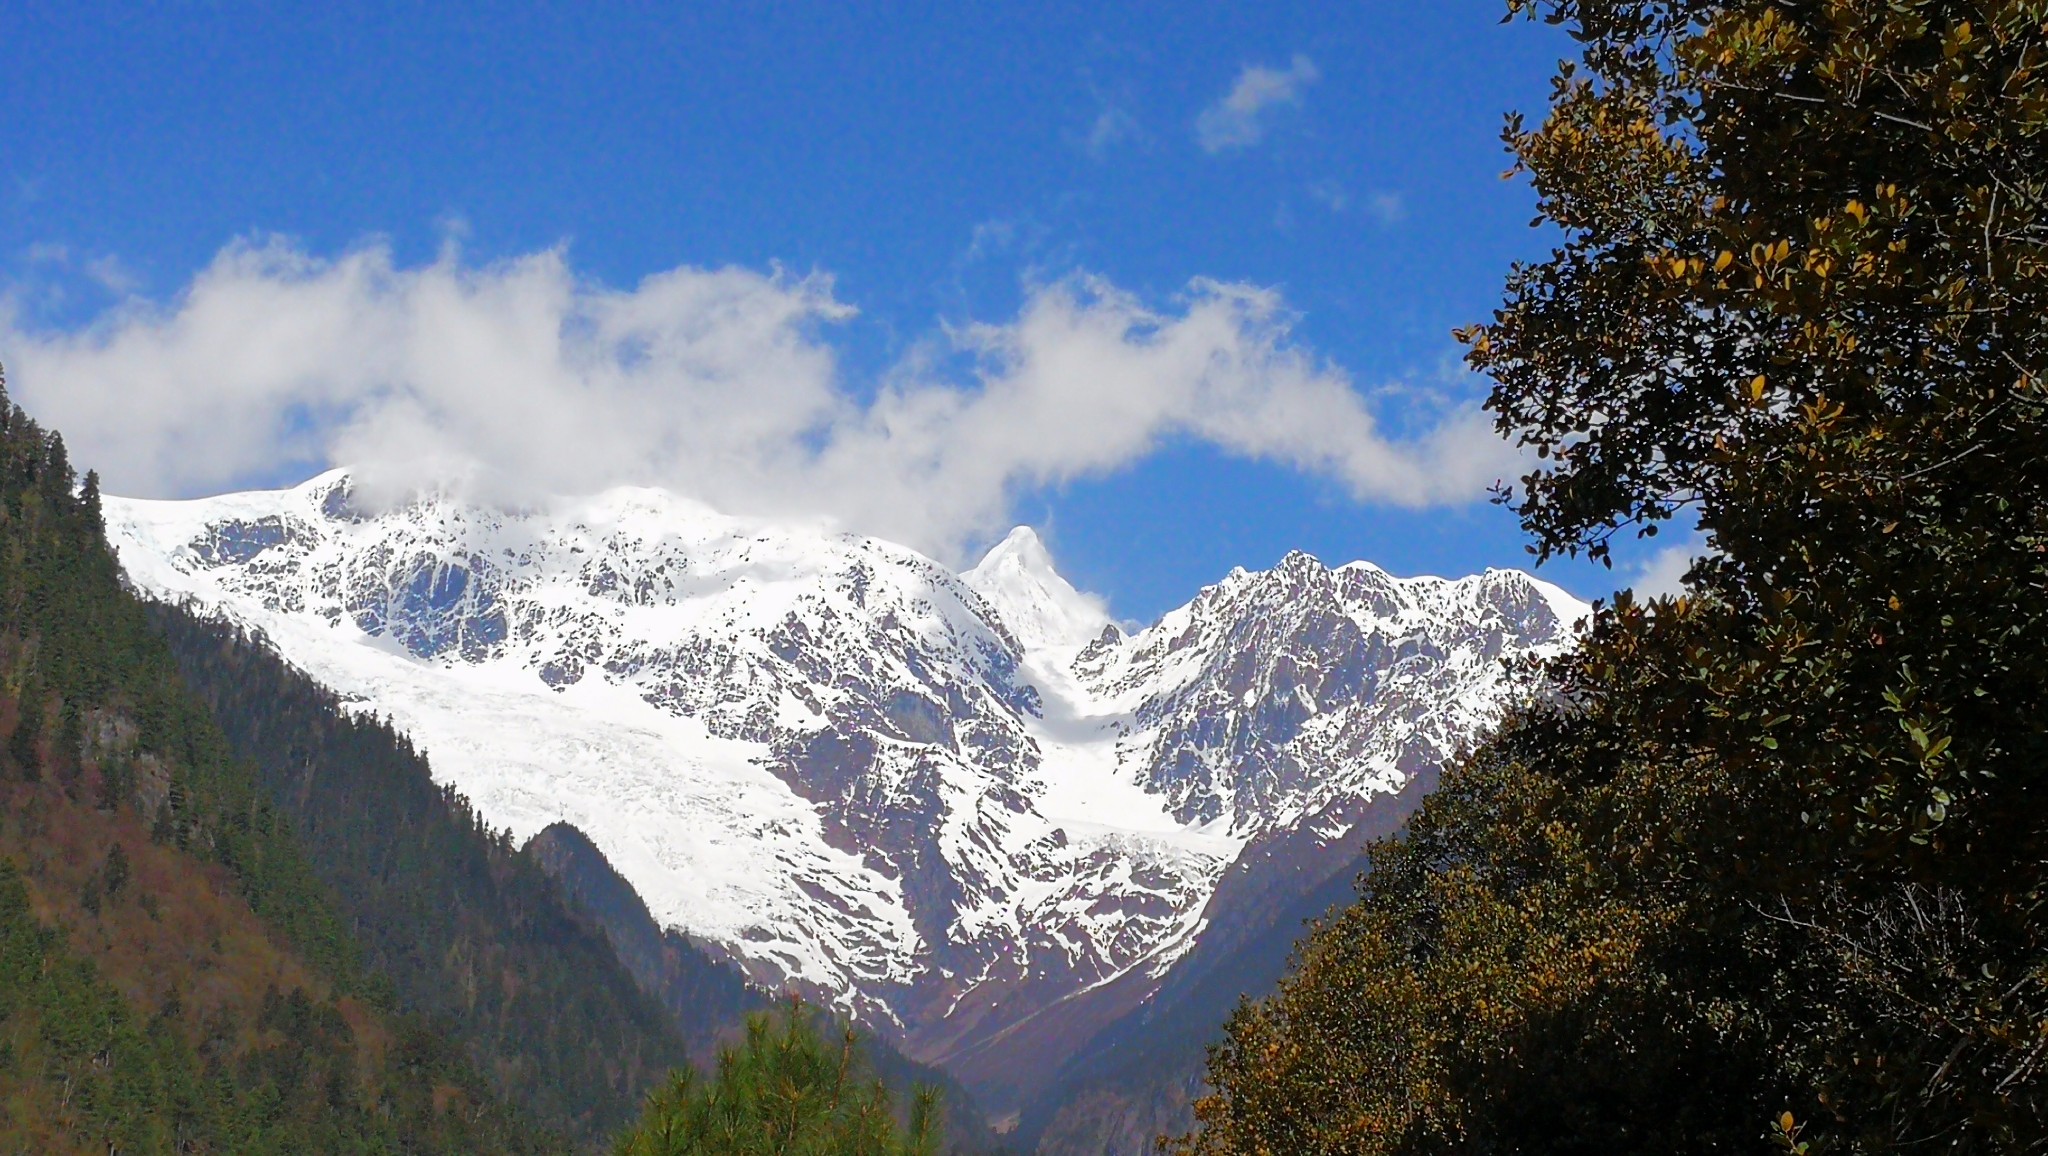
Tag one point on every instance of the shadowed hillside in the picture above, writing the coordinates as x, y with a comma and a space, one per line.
174, 974
468, 929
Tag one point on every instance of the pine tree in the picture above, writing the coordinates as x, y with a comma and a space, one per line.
24, 746
788, 1090
89, 500
114, 872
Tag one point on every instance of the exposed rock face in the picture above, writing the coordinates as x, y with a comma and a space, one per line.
955, 804
1138, 1076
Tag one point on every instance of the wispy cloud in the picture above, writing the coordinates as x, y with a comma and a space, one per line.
109, 273
990, 237
1383, 207
1387, 208
1239, 119
1112, 126
1335, 197
525, 380
61, 282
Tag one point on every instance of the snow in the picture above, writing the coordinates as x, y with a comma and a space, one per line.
527, 757
1042, 610
658, 673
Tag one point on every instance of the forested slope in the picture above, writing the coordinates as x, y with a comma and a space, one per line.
468, 929
173, 973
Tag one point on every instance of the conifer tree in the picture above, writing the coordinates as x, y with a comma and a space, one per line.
786, 1090
24, 746
89, 500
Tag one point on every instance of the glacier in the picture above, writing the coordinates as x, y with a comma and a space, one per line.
941, 801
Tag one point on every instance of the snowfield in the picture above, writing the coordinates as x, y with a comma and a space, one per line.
842, 765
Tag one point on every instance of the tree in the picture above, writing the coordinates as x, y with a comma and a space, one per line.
114, 872
1767, 859
89, 499
24, 745
788, 1091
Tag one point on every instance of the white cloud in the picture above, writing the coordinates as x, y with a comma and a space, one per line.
1663, 573
990, 237
1239, 119
1384, 208
525, 380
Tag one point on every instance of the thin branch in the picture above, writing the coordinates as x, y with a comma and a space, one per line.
1901, 120
1943, 464
1804, 99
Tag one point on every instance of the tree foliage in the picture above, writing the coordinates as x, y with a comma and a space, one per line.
174, 975
467, 929
1763, 864
786, 1090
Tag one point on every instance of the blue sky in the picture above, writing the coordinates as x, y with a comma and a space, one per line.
940, 164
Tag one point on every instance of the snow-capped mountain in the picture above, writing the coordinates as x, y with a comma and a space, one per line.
945, 801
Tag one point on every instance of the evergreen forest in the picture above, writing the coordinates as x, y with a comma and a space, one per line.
464, 928
175, 976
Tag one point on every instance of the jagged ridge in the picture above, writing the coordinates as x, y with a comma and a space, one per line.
943, 801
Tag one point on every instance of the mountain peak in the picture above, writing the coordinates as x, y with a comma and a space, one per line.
1039, 607
1021, 547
